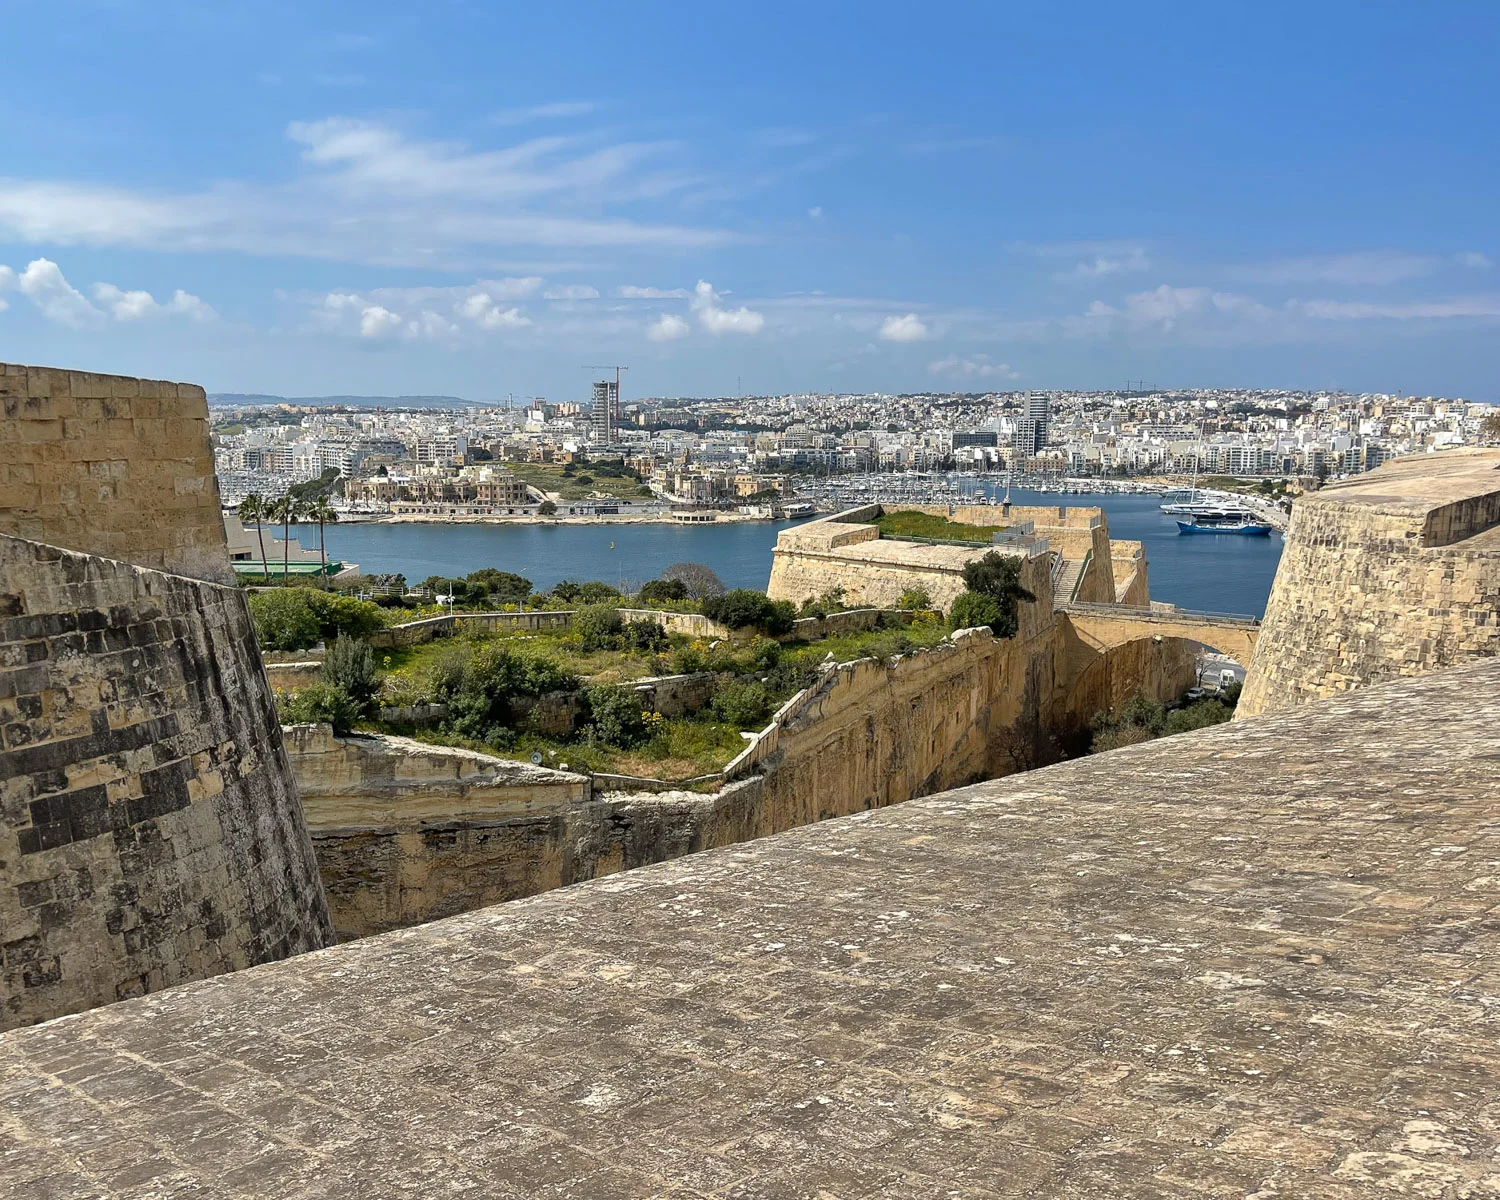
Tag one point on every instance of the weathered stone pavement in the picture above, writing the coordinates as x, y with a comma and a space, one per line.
1256, 961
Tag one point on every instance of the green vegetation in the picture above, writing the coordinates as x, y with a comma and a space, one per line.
582, 480
1142, 719
915, 599
993, 597
909, 523
298, 618
744, 608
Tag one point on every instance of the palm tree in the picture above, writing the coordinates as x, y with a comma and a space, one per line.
254, 508
286, 510
324, 514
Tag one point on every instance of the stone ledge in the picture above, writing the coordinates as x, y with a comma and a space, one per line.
1254, 958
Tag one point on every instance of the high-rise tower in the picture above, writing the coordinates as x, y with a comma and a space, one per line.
1031, 428
606, 415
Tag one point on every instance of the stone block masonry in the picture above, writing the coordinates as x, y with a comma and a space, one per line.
1252, 961
149, 828
113, 466
1394, 573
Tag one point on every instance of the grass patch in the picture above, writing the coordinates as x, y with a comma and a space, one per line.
909, 523
551, 479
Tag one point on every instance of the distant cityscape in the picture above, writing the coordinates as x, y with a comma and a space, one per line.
754, 456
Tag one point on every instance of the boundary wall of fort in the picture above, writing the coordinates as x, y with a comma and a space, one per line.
112, 466
1394, 573
149, 826
150, 831
471, 830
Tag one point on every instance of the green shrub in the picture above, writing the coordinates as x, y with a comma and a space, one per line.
663, 591
349, 666
500, 587
789, 677
615, 716
998, 576
744, 608
478, 687
319, 703
1197, 716
598, 626
915, 598
344, 615
645, 636
597, 592
687, 659
765, 653
741, 704
284, 619
973, 610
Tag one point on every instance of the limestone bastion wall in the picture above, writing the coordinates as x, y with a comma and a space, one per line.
1394, 573
149, 826
112, 466
407, 832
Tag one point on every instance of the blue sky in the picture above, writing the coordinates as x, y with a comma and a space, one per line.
482, 198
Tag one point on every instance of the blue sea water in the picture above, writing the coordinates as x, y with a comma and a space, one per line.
1222, 574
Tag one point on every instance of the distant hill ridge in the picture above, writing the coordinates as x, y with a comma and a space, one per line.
232, 399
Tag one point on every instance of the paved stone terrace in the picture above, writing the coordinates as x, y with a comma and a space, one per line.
1257, 961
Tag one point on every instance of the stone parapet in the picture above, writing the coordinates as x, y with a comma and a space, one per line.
1255, 960
1395, 573
110, 465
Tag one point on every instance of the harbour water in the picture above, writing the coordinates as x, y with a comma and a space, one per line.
1220, 574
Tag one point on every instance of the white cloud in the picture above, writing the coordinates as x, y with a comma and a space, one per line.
540, 112
7, 277
909, 328
1133, 259
136, 305
366, 192
571, 291
483, 311
977, 366
717, 320
667, 328
1336, 310
429, 326
1362, 268
815, 212
378, 322
1472, 258
650, 293
43, 284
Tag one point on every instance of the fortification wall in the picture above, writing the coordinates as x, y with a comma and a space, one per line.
149, 828
1396, 573
407, 832
112, 466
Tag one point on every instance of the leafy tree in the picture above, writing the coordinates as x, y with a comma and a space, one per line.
598, 626
973, 610
285, 619
286, 510
744, 608
1489, 428
663, 591
915, 598
501, 586
615, 716
546, 508
699, 580
343, 615
479, 687
998, 576
349, 666
597, 592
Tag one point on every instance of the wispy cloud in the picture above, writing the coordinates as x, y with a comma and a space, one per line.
631, 292
543, 112
975, 366
1363, 268
571, 291
368, 193
667, 328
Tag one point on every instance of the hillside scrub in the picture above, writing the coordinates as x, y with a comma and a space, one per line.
910, 523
